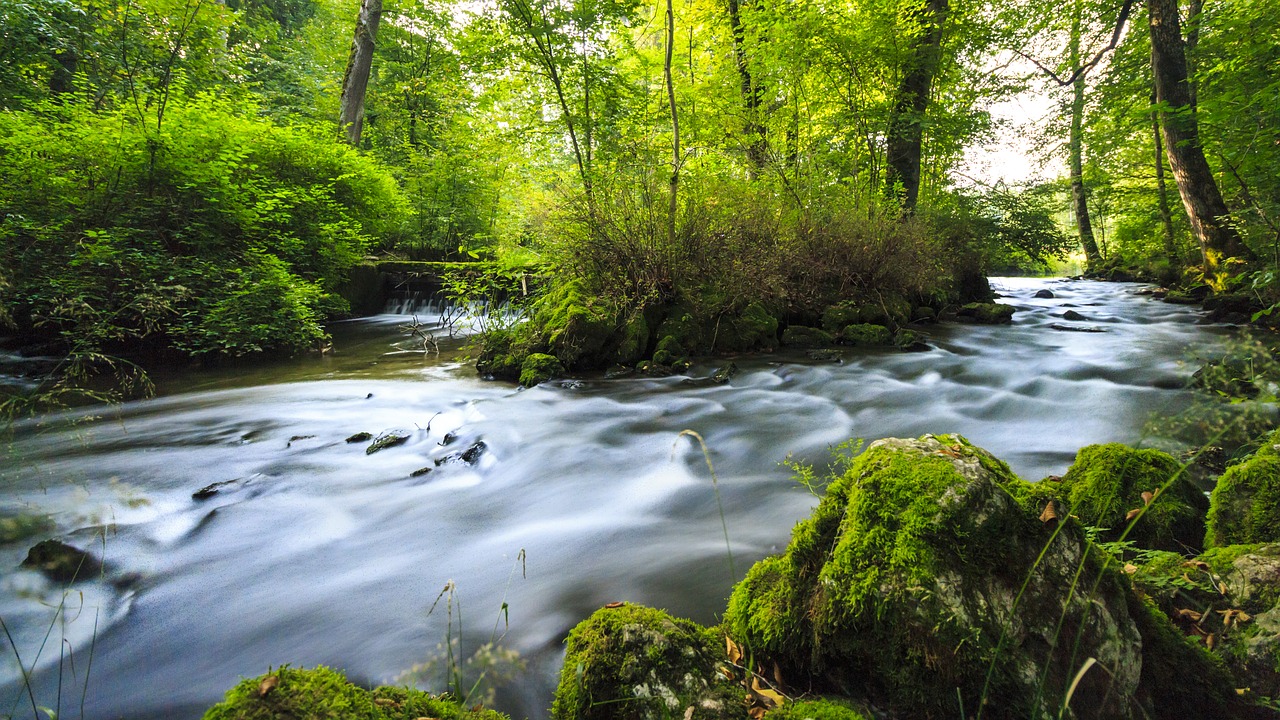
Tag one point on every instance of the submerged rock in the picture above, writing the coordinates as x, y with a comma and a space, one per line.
1044, 294
1076, 328
825, 355
628, 661
61, 562
323, 694
470, 456
212, 489
360, 437
724, 373
387, 440
1073, 316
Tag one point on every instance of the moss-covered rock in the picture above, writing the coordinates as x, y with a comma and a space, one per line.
502, 354
1245, 505
639, 663
574, 326
632, 340
799, 336
1106, 484
755, 328
927, 581
323, 694
866, 334
61, 562
986, 313
890, 311
669, 351
539, 368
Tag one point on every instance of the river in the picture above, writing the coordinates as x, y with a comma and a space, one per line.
584, 493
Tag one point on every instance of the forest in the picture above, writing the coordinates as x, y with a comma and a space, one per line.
570, 233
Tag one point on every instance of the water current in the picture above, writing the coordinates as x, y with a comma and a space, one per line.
584, 493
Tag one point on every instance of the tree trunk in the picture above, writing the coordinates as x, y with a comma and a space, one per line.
1075, 143
1162, 191
355, 82
675, 130
906, 124
64, 72
1200, 196
757, 143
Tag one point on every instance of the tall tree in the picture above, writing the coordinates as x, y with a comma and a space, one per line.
355, 82
1075, 142
1200, 195
906, 124
754, 129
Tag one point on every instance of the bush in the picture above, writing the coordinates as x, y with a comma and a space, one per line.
220, 233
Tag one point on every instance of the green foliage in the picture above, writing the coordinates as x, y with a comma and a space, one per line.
538, 368
1000, 229
823, 709
1106, 483
323, 694
220, 235
1245, 505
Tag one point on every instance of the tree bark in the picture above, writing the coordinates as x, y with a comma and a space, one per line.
757, 142
355, 82
1200, 195
1162, 191
1075, 144
675, 130
906, 123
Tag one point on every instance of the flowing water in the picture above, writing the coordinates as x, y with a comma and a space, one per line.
584, 493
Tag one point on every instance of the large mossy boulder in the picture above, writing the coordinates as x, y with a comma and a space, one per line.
929, 582
1245, 505
866, 334
575, 326
1108, 486
324, 694
629, 661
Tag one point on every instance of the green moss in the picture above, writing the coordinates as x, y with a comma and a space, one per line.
573, 326
866, 334
640, 663
503, 352
1107, 481
899, 588
669, 351
987, 313
323, 694
799, 336
539, 368
632, 340
1245, 506
752, 329
823, 709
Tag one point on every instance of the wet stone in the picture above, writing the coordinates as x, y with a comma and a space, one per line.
61, 562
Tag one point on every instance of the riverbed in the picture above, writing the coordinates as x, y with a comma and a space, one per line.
576, 493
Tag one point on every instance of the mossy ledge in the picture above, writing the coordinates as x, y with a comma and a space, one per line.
585, 330
324, 694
